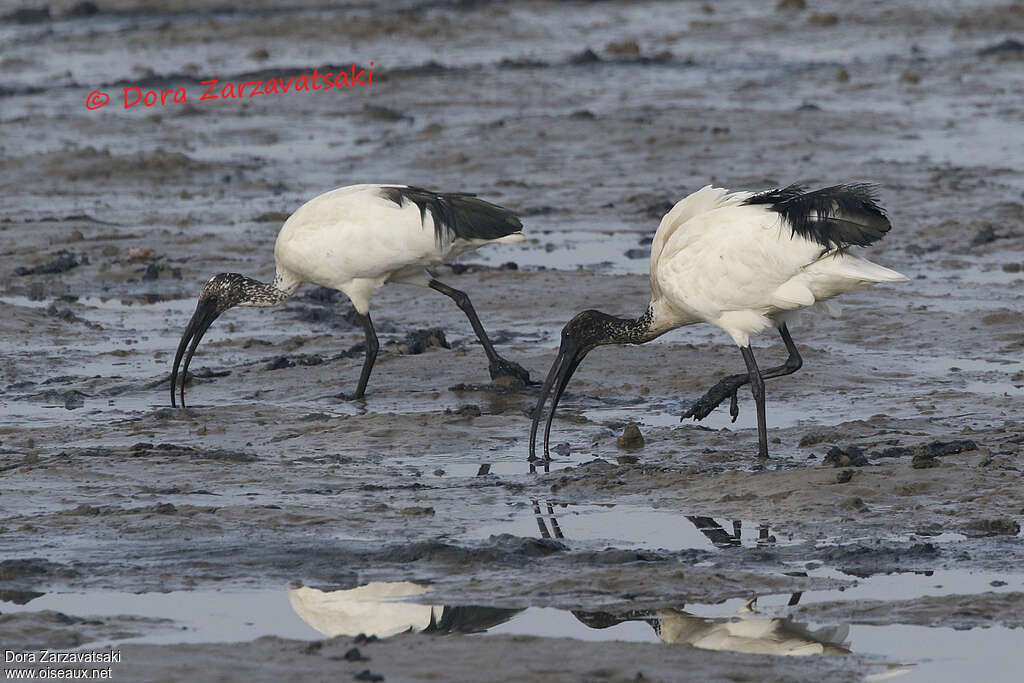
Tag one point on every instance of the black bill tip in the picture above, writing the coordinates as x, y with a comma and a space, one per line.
570, 354
206, 312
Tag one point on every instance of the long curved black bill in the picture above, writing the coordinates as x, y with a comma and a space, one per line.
568, 359
206, 313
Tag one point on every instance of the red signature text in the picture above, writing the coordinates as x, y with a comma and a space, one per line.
215, 89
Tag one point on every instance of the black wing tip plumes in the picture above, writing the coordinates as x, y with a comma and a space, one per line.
462, 214
835, 217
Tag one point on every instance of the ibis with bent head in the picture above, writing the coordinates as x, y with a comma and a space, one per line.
356, 239
743, 262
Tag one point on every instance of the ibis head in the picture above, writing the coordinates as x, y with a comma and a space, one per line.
219, 294
580, 336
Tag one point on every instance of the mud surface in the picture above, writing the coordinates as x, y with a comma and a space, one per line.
884, 534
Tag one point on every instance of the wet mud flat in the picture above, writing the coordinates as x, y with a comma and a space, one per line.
883, 537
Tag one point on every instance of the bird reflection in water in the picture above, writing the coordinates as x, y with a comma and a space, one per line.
748, 631
384, 609
714, 531
378, 609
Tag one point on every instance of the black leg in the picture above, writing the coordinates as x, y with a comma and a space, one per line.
727, 386
372, 346
499, 367
792, 364
757, 388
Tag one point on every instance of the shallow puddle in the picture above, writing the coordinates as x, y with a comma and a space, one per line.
629, 526
762, 626
621, 252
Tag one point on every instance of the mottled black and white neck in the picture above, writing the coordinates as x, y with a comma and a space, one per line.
227, 290
591, 329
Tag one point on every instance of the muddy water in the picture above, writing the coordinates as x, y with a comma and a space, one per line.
163, 532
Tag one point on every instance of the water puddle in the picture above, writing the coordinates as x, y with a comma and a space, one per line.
197, 616
783, 415
630, 526
762, 625
616, 252
445, 467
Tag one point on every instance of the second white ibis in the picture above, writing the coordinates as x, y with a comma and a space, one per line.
356, 239
744, 262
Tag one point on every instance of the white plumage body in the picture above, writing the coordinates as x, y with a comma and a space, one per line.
355, 240
740, 266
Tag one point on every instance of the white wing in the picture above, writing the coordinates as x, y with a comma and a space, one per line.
698, 203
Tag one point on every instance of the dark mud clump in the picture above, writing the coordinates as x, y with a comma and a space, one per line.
419, 341
32, 567
282, 362
61, 263
845, 457
501, 549
19, 597
864, 561
983, 528
926, 455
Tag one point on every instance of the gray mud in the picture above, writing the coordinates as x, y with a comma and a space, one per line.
888, 518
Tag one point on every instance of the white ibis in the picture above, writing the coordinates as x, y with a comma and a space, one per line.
743, 262
356, 239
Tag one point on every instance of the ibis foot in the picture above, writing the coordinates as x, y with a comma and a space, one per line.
725, 389
511, 373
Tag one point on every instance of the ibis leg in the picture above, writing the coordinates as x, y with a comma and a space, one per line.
372, 346
757, 388
499, 367
727, 386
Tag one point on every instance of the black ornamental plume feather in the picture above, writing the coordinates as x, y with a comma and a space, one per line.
835, 217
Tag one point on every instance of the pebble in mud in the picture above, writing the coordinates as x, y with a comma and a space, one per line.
631, 439
353, 655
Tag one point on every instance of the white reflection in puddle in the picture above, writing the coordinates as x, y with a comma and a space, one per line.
761, 626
